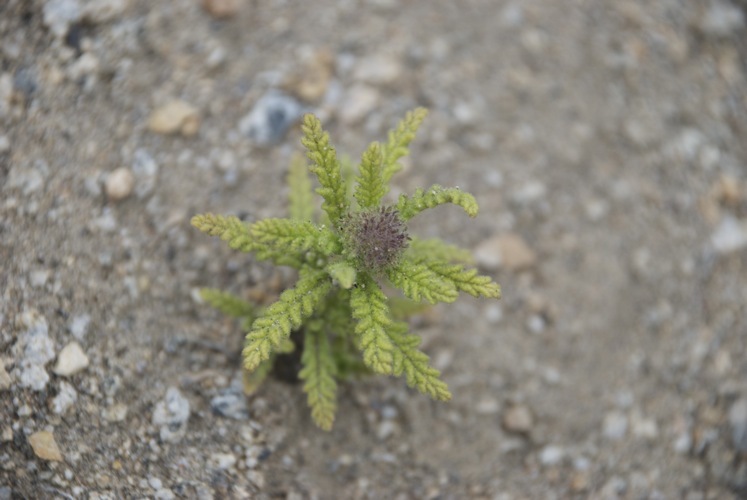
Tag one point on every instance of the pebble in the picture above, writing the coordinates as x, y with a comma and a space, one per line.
172, 414
738, 424
58, 15
119, 184
507, 250
230, 405
221, 9
312, 81
222, 461
116, 412
615, 426
487, 406
5, 380
33, 350
381, 69
71, 360
4, 144
66, 397
145, 169
530, 192
359, 101
44, 446
175, 116
518, 419
270, 118
102, 11
551, 455
722, 19
730, 236
79, 325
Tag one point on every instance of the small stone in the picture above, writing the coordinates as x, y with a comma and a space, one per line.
487, 406
230, 405
175, 116
79, 326
386, 429
119, 184
722, 19
615, 426
66, 397
551, 455
103, 11
4, 144
221, 9
506, 250
378, 70
310, 84
71, 360
222, 461
518, 419
38, 278
358, 103
529, 193
730, 236
33, 350
172, 414
5, 380
44, 446
738, 424
145, 169
270, 118
116, 413
58, 15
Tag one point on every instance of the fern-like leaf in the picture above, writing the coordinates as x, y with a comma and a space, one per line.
228, 303
370, 188
343, 272
418, 282
253, 380
326, 167
228, 228
368, 306
318, 374
398, 141
275, 237
414, 364
466, 280
300, 194
434, 249
274, 326
435, 195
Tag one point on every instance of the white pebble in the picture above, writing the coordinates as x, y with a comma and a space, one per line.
119, 184
71, 360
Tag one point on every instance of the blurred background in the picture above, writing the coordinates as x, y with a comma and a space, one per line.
605, 144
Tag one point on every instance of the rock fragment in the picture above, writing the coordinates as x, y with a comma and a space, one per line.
221, 9
518, 419
269, 120
119, 184
172, 414
175, 117
71, 360
508, 251
358, 103
66, 397
729, 237
738, 424
45, 446
33, 350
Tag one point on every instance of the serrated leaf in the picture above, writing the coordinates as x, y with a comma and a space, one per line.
227, 303
292, 238
467, 280
318, 374
435, 195
418, 282
434, 249
343, 272
270, 330
370, 187
300, 192
368, 306
414, 364
326, 167
228, 228
398, 141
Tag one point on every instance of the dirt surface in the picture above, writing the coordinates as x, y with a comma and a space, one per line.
604, 141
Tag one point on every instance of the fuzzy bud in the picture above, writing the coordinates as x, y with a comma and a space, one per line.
376, 237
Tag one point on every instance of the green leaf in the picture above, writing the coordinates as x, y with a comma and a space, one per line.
398, 141
228, 228
253, 380
466, 280
370, 188
270, 330
418, 282
402, 308
414, 364
326, 167
288, 237
227, 303
343, 272
318, 374
434, 249
368, 305
300, 194
435, 195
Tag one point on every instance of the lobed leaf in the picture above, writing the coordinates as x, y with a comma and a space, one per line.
414, 364
228, 303
300, 194
434, 249
398, 141
284, 237
418, 282
228, 228
466, 280
318, 374
326, 167
435, 195
343, 272
371, 187
270, 330
368, 307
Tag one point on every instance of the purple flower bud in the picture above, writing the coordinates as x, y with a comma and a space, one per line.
376, 237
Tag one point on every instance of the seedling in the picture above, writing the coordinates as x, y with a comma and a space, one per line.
343, 257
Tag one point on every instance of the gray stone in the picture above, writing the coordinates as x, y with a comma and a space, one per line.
730, 236
33, 350
71, 360
58, 15
615, 426
145, 169
172, 414
66, 397
79, 325
738, 424
230, 405
721, 19
551, 455
270, 118
358, 103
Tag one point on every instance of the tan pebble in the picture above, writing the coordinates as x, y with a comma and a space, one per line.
311, 82
173, 117
221, 9
5, 379
579, 481
519, 419
44, 446
506, 250
119, 184
71, 360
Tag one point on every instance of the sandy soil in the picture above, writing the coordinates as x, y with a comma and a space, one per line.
607, 138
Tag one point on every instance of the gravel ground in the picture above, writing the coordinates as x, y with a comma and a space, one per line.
605, 142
